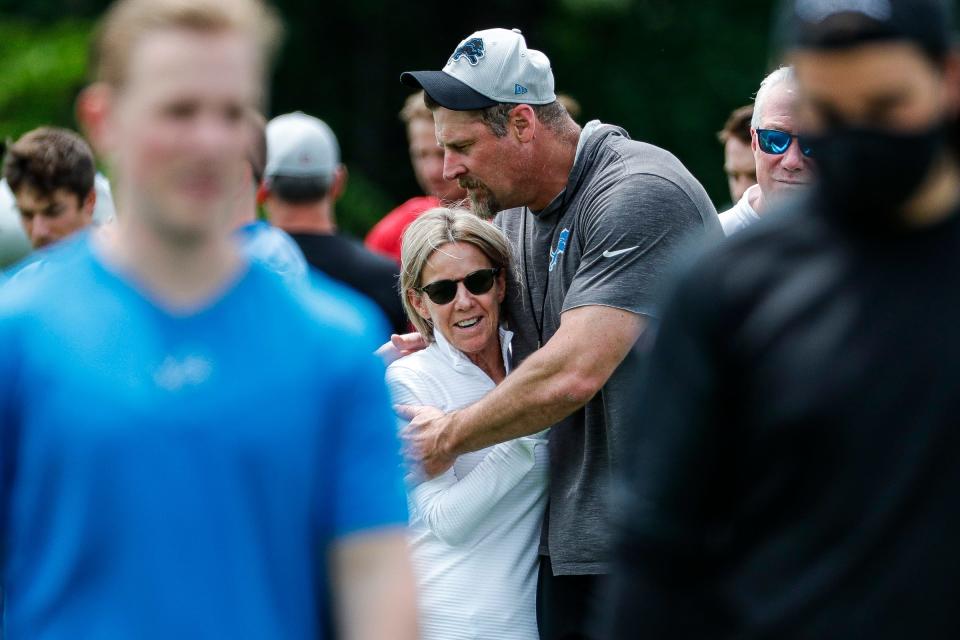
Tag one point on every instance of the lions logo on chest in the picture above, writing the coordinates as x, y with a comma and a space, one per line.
561, 248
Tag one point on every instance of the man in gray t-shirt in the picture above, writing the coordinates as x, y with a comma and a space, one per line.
595, 218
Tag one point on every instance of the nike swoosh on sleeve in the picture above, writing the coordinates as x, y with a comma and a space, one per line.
611, 254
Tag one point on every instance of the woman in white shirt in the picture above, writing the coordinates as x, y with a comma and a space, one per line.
475, 529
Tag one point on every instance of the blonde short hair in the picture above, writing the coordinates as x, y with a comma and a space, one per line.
415, 109
127, 21
437, 227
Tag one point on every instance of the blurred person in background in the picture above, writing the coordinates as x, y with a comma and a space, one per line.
738, 161
783, 164
261, 240
57, 159
596, 218
148, 489
796, 474
50, 172
14, 244
302, 182
427, 160
570, 105
475, 528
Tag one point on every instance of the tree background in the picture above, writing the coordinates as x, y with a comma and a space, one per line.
669, 71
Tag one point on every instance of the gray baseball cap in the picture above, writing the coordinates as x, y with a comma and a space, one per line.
301, 146
488, 67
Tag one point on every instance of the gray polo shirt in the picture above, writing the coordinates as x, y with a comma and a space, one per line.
605, 240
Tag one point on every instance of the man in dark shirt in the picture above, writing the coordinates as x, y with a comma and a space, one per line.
302, 181
595, 218
797, 473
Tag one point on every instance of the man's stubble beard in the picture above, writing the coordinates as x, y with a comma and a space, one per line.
482, 201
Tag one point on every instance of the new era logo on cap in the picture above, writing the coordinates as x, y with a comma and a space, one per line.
486, 68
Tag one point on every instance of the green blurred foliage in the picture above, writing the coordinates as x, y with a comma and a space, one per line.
362, 204
669, 71
43, 67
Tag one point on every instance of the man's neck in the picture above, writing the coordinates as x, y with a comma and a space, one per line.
303, 218
552, 165
938, 198
180, 275
246, 209
756, 200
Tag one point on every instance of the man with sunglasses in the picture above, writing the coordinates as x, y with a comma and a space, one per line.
596, 219
799, 473
784, 167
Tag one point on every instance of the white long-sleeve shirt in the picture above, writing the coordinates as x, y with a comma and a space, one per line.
741, 215
475, 529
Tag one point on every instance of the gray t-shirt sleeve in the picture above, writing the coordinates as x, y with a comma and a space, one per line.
629, 233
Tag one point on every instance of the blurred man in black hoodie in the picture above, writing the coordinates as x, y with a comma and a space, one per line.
797, 473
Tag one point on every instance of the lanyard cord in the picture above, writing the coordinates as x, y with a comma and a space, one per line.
538, 322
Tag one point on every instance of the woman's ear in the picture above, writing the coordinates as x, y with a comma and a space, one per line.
416, 299
502, 285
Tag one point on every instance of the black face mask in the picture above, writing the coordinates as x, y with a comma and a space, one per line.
866, 175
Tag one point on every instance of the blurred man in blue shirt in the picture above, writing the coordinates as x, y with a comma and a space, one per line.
189, 447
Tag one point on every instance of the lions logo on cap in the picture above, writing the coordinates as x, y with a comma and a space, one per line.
472, 50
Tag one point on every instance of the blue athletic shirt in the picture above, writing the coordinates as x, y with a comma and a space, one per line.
168, 475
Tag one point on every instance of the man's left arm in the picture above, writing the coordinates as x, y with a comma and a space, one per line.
368, 556
374, 586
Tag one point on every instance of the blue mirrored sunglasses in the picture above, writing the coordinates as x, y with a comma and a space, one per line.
777, 142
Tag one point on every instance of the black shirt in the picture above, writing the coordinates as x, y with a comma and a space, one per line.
798, 472
344, 259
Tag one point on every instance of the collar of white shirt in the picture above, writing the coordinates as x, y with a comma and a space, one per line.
460, 361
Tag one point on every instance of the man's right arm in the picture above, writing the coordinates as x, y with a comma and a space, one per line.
646, 219
551, 384
373, 585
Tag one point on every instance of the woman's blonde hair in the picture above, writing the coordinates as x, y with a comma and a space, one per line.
437, 227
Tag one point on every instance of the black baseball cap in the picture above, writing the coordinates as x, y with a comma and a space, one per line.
446, 90
838, 24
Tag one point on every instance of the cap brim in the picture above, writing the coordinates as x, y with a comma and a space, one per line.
446, 90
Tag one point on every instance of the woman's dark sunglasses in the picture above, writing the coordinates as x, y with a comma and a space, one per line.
477, 282
777, 142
